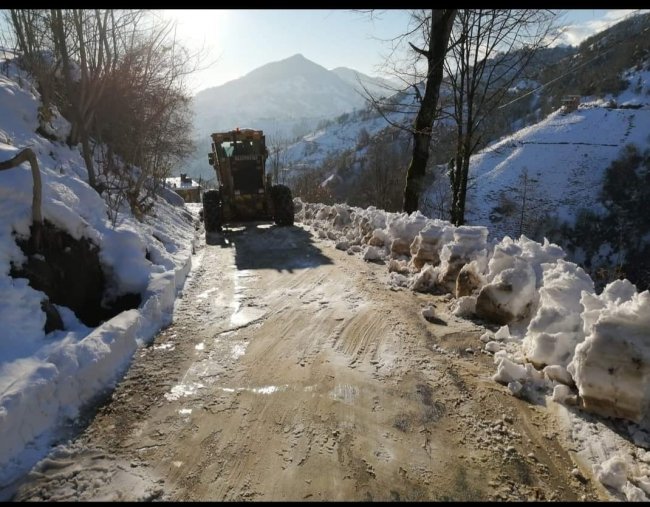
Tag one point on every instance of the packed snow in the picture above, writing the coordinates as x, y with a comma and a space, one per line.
47, 380
556, 338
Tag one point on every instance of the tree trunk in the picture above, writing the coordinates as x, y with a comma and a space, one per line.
440, 28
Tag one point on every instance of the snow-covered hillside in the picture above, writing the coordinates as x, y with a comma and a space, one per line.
594, 347
47, 379
338, 136
564, 157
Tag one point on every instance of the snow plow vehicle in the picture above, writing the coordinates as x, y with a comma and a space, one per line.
244, 192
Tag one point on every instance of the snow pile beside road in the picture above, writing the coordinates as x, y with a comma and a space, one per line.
611, 367
601, 344
556, 329
46, 379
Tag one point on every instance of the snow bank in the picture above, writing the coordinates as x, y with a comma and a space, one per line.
426, 246
601, 344
611, 367
556, 328
45, 380
513, 277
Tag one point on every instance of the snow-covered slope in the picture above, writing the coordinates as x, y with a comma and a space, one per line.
564, 156
339, 135
344, 133
46, 379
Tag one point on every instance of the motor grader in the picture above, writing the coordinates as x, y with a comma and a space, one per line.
244, 192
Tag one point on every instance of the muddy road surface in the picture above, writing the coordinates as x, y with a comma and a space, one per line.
293, 372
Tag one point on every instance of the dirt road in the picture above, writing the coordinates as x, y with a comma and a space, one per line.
293, 372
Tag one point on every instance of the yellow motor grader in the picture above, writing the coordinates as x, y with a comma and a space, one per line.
244, 192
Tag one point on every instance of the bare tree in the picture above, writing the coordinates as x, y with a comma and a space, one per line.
439, 28
490, 49
31, 38
146, 115
427, 38
118, 77
277, 146
382, 173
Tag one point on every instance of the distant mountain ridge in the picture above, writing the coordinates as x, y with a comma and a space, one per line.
292, 88
286, 99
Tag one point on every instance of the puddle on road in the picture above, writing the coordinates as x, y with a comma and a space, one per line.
183, 390
185, 411
268, 389
242, 316
200, 346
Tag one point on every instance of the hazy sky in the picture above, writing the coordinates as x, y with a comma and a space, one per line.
237, 41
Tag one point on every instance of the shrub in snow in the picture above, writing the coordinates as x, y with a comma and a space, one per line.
556, 328
611, 367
